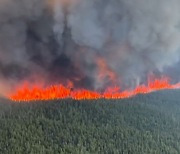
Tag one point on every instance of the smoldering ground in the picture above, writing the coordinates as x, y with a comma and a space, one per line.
62, 40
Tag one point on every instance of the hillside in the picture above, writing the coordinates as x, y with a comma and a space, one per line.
143, 124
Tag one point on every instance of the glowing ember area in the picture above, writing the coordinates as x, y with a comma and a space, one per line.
63, 92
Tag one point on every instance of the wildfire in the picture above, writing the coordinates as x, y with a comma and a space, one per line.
105, 70
63, 92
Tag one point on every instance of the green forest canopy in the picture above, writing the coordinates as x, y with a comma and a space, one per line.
142, 124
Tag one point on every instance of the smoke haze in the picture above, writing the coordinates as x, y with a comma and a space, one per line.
91, 43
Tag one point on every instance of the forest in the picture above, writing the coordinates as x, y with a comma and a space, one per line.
144, 124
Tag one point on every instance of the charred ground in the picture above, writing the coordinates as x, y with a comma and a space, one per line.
143, 124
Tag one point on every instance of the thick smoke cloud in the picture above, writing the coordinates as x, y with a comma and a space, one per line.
92, 43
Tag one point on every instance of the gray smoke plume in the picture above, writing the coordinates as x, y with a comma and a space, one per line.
79, 40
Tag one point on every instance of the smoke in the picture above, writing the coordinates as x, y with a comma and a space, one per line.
79, 40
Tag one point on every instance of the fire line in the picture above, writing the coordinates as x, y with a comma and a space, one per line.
63, 92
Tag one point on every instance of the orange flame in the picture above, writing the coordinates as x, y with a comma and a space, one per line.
63, 92
105, 70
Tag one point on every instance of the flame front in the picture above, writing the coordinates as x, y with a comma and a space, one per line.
63, 92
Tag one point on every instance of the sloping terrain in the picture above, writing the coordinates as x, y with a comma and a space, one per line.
143, 124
